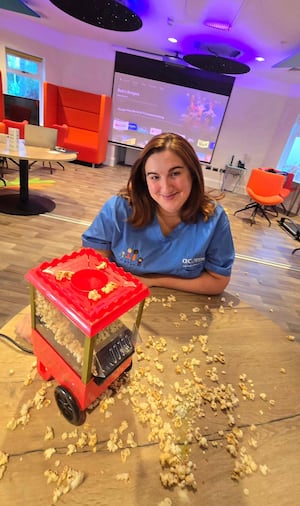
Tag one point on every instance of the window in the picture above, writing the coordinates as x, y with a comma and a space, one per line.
290, 157
24, 74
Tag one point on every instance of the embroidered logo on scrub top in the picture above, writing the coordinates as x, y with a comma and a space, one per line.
192, 263
131, 257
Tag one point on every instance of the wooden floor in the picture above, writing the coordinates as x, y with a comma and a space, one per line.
265, 274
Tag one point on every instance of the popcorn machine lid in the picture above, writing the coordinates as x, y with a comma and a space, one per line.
68, 282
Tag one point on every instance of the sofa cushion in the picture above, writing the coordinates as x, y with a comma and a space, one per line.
78, 118
77, 99
81, 137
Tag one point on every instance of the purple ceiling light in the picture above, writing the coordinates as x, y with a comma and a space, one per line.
219, 25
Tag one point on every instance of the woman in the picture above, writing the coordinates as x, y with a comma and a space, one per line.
163, 227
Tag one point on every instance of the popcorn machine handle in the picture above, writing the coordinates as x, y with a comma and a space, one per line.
139, 315
135, 330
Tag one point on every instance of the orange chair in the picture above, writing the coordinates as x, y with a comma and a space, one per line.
264, 190
5, 124
87, 117
15, 124
288, 186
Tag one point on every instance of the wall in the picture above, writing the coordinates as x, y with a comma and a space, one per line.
256, 125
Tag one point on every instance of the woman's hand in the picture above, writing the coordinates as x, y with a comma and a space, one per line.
23, 328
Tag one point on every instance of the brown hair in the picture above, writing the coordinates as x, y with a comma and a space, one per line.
143, 206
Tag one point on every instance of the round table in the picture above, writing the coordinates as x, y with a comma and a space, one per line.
174, 357
23, 202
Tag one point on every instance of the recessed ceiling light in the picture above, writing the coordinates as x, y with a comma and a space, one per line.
173, 40
259, 58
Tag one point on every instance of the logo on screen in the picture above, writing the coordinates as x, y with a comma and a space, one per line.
202, 144
120, 125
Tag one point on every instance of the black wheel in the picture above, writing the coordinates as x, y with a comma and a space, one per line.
68, 406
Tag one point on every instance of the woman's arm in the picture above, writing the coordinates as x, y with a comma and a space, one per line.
104, 252
208, 283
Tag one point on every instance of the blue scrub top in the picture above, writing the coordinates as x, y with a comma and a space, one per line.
185, 252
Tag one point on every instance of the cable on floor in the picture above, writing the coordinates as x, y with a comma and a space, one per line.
15, 343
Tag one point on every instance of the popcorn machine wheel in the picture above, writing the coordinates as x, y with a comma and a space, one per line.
85, 315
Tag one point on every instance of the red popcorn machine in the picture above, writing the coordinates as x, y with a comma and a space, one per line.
80, 308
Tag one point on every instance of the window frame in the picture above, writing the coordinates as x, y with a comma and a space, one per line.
39, 76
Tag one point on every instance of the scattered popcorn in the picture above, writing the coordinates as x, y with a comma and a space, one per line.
71, 448
49, 434
109, 287
60, 275
112, 446
125, 454
165, 502
68, 480
130, 441
102, 265
252, 442
3, 463
244, 465
92, 442
159, 366
171, 414
123, 477
49, 452
291, 338
123, 426
183, 317
264, 469
94, 295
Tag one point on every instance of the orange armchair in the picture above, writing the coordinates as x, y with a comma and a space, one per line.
288, 186
62, 133
84, 117
8, 123
5, 124
264, 190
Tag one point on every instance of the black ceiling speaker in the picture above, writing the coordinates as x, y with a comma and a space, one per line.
217, 64
108, 14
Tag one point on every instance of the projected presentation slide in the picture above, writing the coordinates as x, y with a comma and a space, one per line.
143, 108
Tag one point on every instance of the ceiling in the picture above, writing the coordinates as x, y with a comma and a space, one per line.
268, 28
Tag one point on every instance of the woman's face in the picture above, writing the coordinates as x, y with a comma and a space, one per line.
169, 181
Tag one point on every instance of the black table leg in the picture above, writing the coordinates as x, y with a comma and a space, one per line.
23, 172
22, 203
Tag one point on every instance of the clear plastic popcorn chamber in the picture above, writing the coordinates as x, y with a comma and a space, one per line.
85, 315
